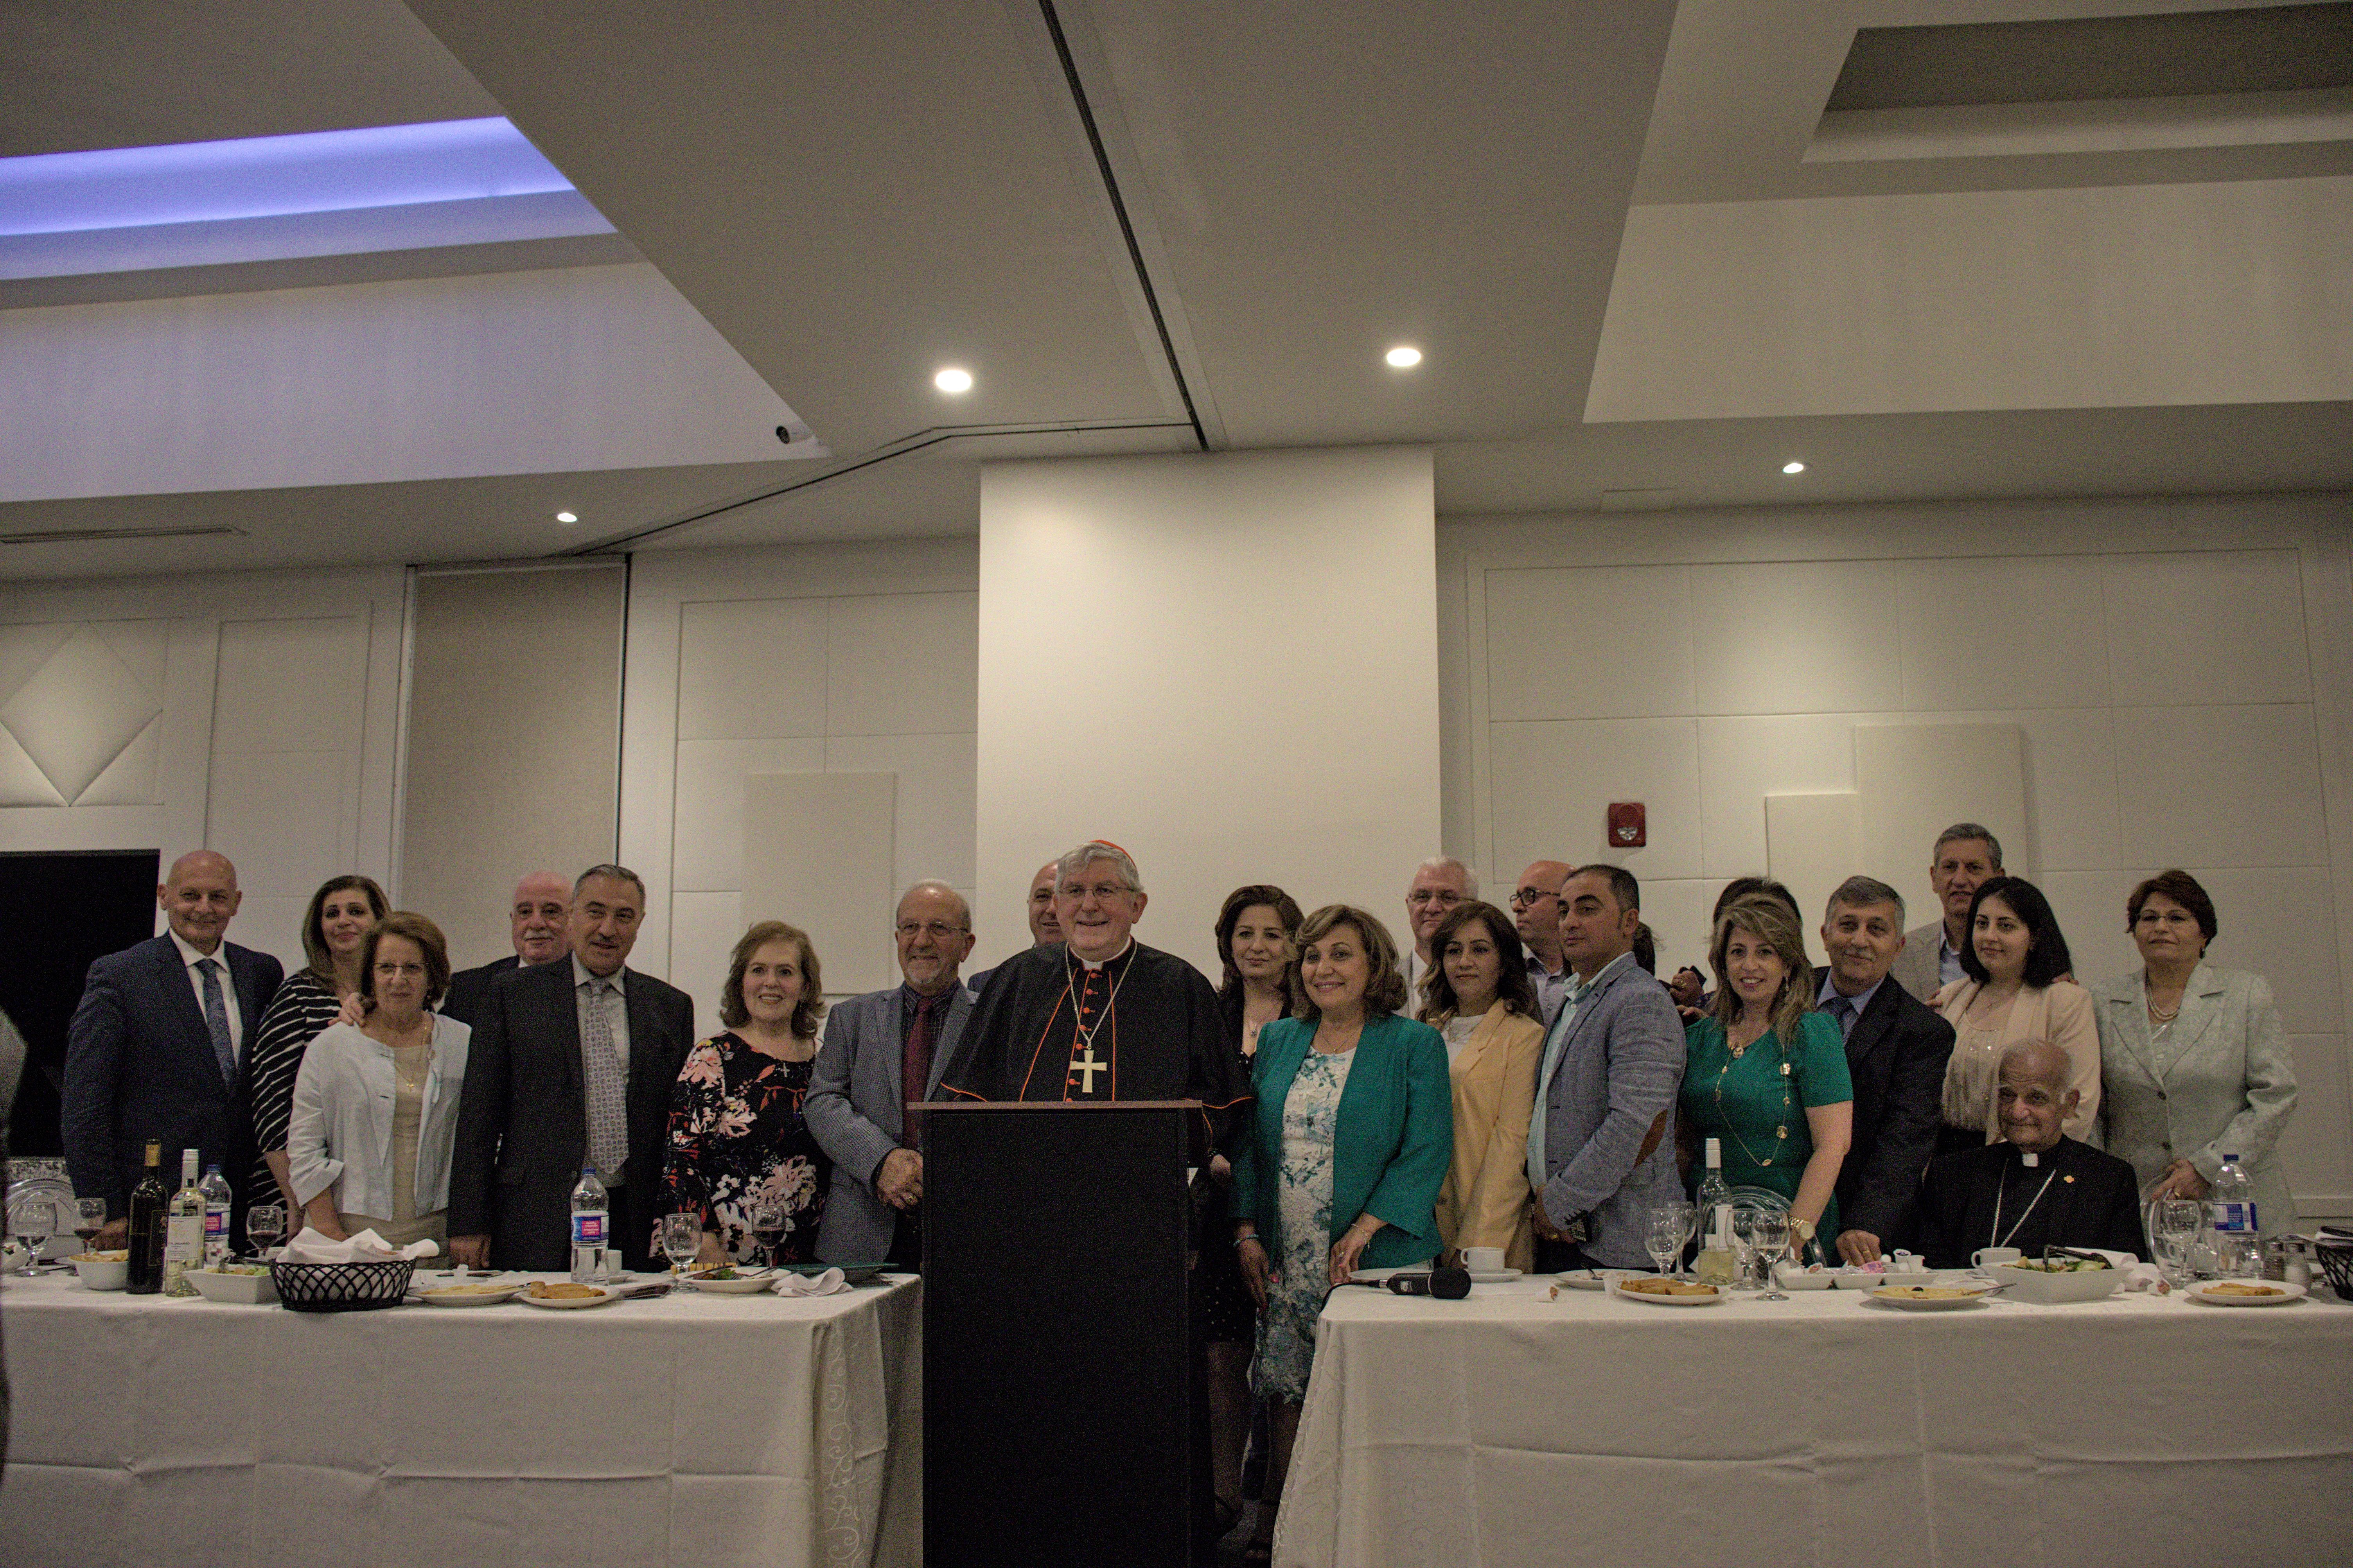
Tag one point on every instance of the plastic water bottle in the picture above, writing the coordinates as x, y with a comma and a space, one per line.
2236, 1237
216, 1207
592, 1230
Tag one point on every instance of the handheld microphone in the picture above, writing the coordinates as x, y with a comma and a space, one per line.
1446, 1284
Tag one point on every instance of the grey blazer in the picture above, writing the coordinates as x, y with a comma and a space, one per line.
2223, 1084
1616, 1084
856, 1113
1915, 968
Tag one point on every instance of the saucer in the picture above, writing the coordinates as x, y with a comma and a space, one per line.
1491, 1276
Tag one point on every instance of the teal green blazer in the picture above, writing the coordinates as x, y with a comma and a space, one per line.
1391, 1149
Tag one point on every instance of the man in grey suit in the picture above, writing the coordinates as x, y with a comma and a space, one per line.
571, 1064
1600, 1153
880, 1051
155, 1048
1965, 857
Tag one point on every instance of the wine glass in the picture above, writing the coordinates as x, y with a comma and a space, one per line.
1686, 1216
34, 1222
89, 1218
682, 1238
1770, 1233
768, 1225
1744, 1244
1664, 1241
265, 1224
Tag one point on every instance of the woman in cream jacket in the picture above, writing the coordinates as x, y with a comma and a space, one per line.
2016, 989
1477, 994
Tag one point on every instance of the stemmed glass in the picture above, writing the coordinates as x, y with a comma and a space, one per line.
89, 1218
1771, 1234
682, 1238
1686, 1216
768, 1225
1664, 1241
34, 1222
2178, 1221
265, 1224
1744, 1244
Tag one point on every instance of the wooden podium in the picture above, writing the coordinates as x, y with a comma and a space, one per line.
1062, 1424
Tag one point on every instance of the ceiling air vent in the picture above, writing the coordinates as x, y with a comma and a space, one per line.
98, 535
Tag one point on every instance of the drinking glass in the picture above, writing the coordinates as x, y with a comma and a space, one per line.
1665, 1241
768, 1225
682, 1238
34, 1222
89, 1218
1770, 1233
1744, 1244
265, 1224
2179, 1222
1686, 1217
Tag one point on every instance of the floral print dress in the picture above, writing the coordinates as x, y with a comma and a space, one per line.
1303, 1218
736, 1137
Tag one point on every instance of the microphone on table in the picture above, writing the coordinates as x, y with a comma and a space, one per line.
1446, 1284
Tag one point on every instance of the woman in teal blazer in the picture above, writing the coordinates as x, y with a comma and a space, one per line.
1349, 1141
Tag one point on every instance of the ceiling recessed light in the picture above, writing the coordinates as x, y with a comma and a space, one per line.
1793, 468
568, 517
953, 380
1404, 358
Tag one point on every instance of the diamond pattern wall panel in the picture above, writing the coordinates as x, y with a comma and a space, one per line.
79, 711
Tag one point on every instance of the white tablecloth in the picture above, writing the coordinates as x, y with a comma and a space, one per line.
691, 1429
1510, 1429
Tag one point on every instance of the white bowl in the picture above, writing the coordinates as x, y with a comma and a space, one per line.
2057, 1290
1793, 1277
102, 1273
237, 1289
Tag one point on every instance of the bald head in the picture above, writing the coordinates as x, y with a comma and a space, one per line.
934, 931
539, 915
198, 897
2034, 1096
1044, 925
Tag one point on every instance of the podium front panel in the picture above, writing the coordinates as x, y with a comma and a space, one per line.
1059, 1421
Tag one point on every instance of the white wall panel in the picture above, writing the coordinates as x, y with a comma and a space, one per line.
1915, 780
1743, 760
709, 847
902, 664
2281, 922
1794, 637
2090, 909
130, 779
1969, 629
279, 816
1811, 848
2233, 786
751, 668
822, 844
1545, 627
2215, 627
934, 825
284, 685
1676, 911
1554, 785
2320, 1163
704, 929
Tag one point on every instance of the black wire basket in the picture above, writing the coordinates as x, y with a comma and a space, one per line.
2335, 1258
340, 1287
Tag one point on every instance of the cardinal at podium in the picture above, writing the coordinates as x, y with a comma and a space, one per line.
1099, 1016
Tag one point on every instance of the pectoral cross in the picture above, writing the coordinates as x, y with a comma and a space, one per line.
1089, 1066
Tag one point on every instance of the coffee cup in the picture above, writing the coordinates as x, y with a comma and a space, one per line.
1994, 1256
1483, 1259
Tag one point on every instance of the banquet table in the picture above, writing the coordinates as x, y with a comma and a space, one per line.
693, 1428
1509, 1428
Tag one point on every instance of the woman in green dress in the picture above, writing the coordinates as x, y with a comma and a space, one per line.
1768, 1075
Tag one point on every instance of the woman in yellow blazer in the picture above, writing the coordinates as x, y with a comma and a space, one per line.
1478, 996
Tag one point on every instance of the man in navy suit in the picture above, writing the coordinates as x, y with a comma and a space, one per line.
155, 1049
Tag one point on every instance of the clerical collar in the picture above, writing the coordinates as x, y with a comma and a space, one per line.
2030, 1159
1106, 963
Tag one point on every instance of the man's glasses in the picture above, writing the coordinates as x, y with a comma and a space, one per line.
938, 931
1522, 897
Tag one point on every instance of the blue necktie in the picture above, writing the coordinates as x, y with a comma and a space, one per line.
216, 1018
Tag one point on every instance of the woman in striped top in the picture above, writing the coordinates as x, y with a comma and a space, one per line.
334, 929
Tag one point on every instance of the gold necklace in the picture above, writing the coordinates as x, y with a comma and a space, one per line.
1780, 1133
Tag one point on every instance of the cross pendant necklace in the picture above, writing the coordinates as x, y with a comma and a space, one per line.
1086, 1061
1088, 1064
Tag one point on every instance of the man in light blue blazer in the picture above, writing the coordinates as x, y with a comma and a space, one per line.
880, 1051
1601, 1153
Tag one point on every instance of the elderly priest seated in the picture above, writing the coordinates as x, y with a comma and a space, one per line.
2036, 1188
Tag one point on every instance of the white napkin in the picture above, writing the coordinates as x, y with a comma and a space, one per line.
831, 1282
2141, 1276
367, 1246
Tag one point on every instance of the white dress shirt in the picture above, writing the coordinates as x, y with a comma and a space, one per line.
189, 959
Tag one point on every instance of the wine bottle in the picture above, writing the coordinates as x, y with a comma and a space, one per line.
1715, 1263
184, 1230
145, 1273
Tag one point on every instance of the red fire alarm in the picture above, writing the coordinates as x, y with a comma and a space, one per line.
1627, 827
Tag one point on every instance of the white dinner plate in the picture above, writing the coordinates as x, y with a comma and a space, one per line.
1897, 1296
1618, 1291
1582, 1279
570, 1303
738, 1287
2200, 1292
469, 1295
1491, 1276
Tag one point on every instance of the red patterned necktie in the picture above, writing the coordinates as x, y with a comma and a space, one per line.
916, 1063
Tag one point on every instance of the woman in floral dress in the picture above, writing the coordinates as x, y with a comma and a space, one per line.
736, 1136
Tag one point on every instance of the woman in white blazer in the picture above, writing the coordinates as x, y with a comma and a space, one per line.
2194, 1059
376, 1104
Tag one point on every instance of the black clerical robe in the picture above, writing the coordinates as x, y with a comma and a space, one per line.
2073, 1197
1142, 1025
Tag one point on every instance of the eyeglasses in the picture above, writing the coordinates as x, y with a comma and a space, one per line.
1101, 891
1422, 897
1522, 897
2168, 917
939, 931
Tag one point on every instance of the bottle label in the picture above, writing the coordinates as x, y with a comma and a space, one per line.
184, 1238
2235, 1219
216, 1225
587, 1228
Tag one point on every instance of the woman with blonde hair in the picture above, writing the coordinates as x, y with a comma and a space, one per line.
1767, 1076
1478, 997
737, 1138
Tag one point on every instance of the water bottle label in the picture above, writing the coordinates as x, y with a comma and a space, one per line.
587, 1228
216, 1225
2235, 1219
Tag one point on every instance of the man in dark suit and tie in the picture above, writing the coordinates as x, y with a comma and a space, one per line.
539, 920
880, 1051
571, 1064
153, 1049
1896, 1048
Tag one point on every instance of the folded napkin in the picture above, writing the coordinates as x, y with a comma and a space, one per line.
367, 1246
831, 1282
